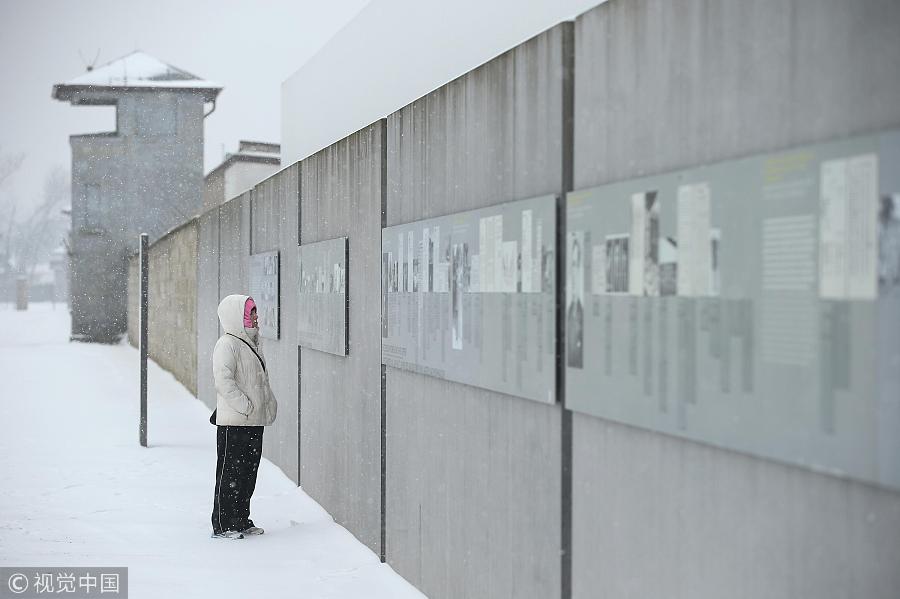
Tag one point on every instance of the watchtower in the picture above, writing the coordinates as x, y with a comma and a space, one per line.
146, 176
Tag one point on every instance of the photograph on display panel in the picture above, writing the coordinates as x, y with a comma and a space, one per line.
889, 243
575, 299
643, 273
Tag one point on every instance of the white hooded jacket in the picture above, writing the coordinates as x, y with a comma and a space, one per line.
243, 394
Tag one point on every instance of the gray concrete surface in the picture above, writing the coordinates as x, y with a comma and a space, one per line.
134, 300
234, 245
474, 477
661, 86
172, 308
273, 217
340, 396
207, 302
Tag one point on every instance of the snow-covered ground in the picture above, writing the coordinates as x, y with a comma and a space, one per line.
76, 488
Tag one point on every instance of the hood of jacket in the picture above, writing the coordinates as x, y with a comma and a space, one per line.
231, 316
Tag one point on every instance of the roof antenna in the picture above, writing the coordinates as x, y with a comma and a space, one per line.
89, 65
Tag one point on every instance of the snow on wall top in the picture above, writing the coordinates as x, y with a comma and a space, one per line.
135, 70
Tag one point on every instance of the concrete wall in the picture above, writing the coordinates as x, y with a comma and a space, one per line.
339, 434
207, 302
243, 175
342, 190
173, 304
470, 493
134, 300
224, 239
273, 217
214, 189
233, 177
665, 85
172, 307
473, 478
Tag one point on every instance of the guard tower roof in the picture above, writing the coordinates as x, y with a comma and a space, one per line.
136, 71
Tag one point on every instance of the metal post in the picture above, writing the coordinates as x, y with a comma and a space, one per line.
145, 280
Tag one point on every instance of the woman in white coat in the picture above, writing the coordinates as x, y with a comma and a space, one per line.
245, 404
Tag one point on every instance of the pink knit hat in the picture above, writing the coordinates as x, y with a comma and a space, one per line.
248, 306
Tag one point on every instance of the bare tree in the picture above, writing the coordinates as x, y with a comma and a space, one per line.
35, 237
9, 164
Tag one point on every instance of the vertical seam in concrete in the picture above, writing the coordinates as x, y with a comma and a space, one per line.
383, 552
281, 333
568, 134
299, 439
383, 466
299, 349
347, 296
218, 264
568, 104
197, 311
384, 170
299, 203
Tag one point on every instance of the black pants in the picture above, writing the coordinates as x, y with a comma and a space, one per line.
239, 449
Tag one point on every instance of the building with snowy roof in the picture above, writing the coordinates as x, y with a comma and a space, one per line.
240, 171
144, 177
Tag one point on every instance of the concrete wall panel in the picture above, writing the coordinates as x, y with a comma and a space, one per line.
340, 396
173, 303
207, 302
273, 220
234, 245
134, 300
279, 441
473, 477
172, 308
661, 86
666, 85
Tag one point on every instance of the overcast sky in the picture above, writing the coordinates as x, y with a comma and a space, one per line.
248, 47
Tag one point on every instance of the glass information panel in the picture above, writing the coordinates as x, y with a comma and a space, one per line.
752, 304
264, 289
322, 307
470, 297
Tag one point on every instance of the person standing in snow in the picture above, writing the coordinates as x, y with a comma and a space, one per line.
245, 405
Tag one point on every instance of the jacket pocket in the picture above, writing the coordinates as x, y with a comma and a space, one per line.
266, 399
273, 414
249, 408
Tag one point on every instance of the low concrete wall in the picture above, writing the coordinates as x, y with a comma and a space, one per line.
172, 302
134, 300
